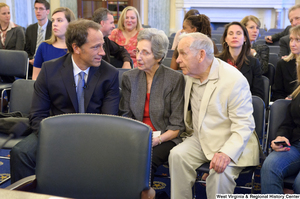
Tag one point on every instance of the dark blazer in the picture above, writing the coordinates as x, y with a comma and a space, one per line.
253, 73
284, 44
285, 79
166, 98
285, 32
114, 49
55, 91
31, 37
15, 39
290, 127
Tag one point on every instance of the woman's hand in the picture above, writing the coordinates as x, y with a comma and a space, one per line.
155, 141
280, 147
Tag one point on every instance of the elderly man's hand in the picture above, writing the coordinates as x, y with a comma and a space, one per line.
219, 162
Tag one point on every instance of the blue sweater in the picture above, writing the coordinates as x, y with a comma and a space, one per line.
47, 52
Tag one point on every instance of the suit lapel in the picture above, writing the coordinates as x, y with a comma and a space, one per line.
48, 30
68, 79
8, 36
141, 96
187, 93
93, 78
34, 34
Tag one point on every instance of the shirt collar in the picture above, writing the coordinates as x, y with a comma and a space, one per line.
77, 70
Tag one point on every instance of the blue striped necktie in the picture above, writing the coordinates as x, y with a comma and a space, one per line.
80, 92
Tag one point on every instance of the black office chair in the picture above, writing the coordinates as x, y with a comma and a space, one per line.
217, 37
270, 74
277, 115
267, 90
259, 118
273, 59
86, 155
20, 100
170, 53
274, 49
13, 63
121, 71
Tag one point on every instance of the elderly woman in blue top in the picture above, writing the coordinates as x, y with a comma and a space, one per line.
153, 93
54, 47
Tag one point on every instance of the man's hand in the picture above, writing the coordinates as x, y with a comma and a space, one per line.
268, 39
219, 162
126, 64
31, 61
280, 147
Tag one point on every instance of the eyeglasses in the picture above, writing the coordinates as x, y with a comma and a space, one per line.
142, 52
40, 9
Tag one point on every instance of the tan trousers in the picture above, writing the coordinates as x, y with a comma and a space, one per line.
184, 159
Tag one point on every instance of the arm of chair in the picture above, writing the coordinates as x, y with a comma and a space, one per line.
25, 184
148, 194
2, 96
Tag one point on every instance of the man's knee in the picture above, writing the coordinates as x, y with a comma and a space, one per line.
176, 153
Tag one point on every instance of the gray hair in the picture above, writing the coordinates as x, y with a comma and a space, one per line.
101, 15
159, 41
201, 41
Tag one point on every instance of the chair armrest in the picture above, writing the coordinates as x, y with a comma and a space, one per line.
148, 194
25, 184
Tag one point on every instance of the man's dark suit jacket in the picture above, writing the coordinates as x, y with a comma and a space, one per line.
285, 32
285, 79
114, 49
55, 91
284, 44
31, 37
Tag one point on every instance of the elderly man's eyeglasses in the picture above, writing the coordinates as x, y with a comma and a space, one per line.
142, 52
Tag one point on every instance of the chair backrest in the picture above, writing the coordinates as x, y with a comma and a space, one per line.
121, 71
170, 53
217, 37
273, 59
93, 156
171, 40
220, 47
274, 49
259, 116
267, 89
14, 63
167, 61
277, 114
21, 96
271, 73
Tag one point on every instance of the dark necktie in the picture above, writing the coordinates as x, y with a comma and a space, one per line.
80, 92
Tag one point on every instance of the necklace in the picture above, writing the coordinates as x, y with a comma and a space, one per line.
4, 29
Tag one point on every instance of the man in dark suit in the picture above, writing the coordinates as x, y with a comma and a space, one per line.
42, 9
105, 18
284, 37
57, 88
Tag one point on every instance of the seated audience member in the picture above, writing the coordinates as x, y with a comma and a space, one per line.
259, 51
277, 36
284, 161
218, 120
191, 12
285, 80
129, 25
11, 36
55, 46
59, 89
153, 93
194, 23
294, 17
106, 19
38, 32
236, 52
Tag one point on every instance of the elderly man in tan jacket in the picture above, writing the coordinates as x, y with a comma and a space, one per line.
218, 118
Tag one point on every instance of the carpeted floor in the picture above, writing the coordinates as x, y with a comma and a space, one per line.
4, 169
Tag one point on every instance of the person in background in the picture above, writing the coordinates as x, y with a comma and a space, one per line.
236, 51
179, 32
129, 26
106, 19
285, 80
259, 51
284, 160
11, 36
55, 46
153, 93
38, 32
194, 23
